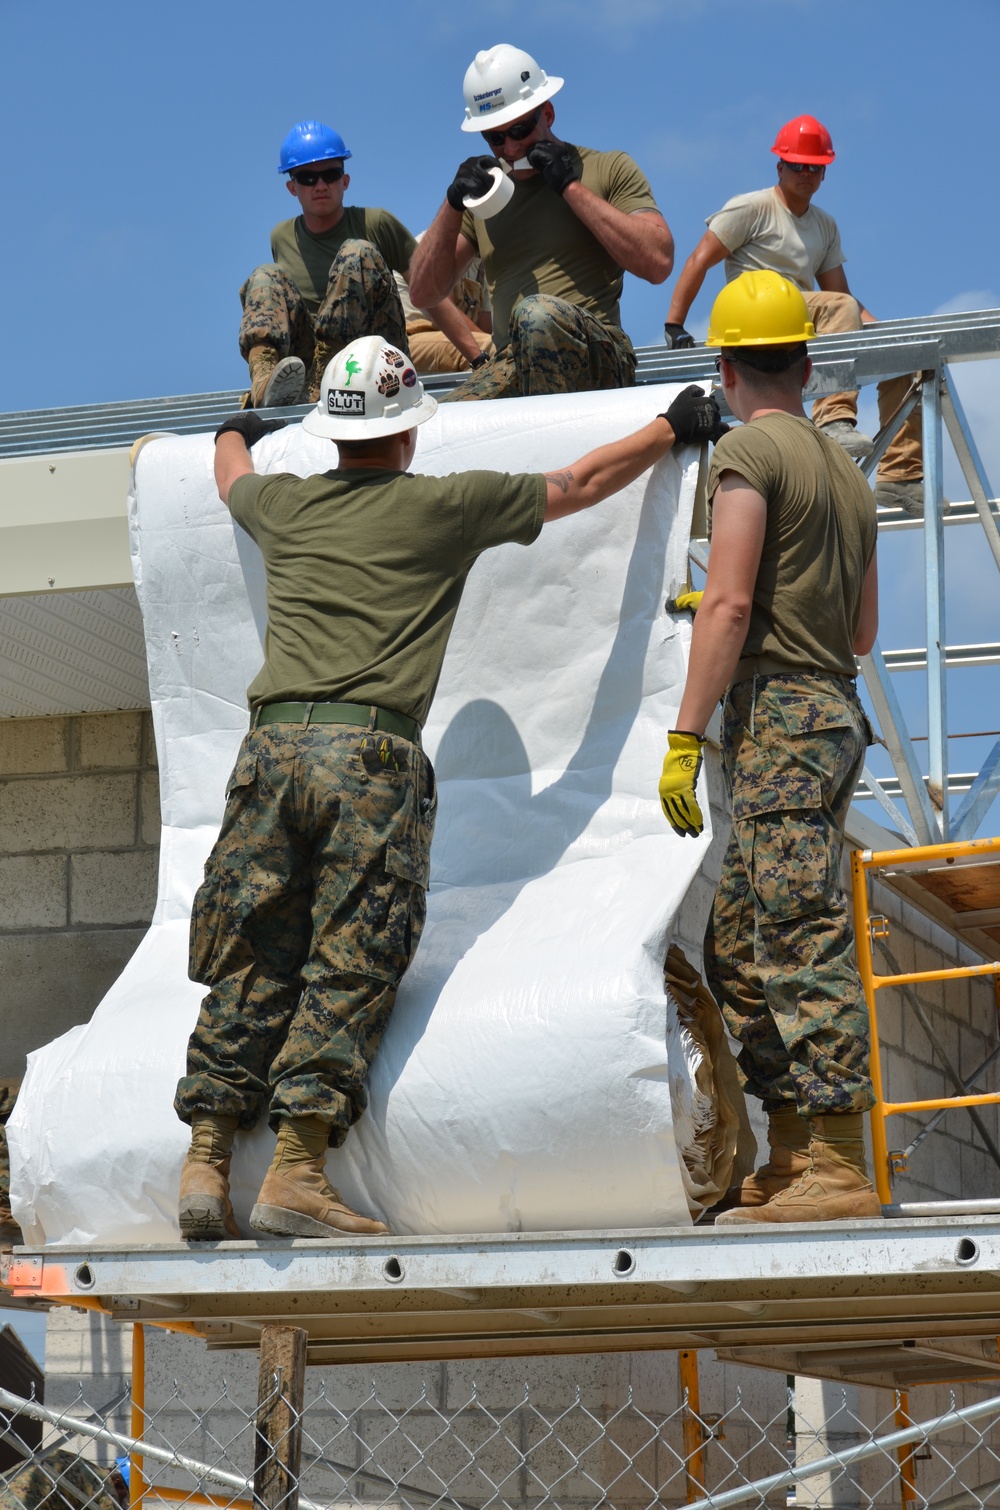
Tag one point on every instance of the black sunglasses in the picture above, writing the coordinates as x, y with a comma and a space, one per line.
517, 132
804, 167
309, 180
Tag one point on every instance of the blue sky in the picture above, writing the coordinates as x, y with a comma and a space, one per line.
139, 176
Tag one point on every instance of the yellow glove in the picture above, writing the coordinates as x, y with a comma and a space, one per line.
681, 765
690, 600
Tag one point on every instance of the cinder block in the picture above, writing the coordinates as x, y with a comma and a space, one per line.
113, 888
149, 798
29, 746
108, 741
82, 812
32, 892
52, 981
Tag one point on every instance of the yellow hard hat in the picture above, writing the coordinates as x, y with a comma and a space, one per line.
759, 309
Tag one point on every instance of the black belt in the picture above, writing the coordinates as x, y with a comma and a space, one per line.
359, 715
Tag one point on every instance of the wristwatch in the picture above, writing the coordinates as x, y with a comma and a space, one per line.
479, 361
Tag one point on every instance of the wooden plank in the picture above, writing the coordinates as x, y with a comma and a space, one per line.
280, 1402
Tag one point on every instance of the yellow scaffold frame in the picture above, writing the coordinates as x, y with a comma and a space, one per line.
863, 861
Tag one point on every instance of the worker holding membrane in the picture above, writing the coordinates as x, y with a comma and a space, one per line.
330, 279
557, 227
314, 894
791, 597
781, 229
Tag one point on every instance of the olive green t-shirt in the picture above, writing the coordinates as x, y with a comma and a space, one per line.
818, 541
536, 245
365, 570
306, 258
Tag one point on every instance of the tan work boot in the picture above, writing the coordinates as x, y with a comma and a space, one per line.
788, 1144
299, 1201
322, 354
275, 381
834, 1188
10, 1232
204, 1208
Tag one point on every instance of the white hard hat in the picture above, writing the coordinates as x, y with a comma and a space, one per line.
502, 84
369, 389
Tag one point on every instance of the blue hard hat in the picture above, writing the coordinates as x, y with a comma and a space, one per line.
310, 142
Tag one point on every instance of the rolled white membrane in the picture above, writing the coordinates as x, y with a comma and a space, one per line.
524, 1083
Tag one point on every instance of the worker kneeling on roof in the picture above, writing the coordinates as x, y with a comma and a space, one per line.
790, 599
313, 899
331, 278
781, 229
571, 223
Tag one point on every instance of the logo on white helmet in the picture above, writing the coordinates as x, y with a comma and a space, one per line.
343, 402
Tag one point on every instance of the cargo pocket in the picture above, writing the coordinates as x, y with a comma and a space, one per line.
791, 862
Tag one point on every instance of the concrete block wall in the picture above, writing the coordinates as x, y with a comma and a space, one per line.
79, 848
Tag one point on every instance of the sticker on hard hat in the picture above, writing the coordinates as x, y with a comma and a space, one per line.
392, 356
342, 401
409, 377
388, 384
488, 105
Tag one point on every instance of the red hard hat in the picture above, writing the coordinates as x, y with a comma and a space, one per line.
804, 140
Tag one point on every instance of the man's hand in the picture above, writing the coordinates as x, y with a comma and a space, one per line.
554, 161
676, 338
684, 600
250, 426
694, 417
471, 181
681, 765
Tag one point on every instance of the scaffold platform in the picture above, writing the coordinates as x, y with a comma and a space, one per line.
419, 1298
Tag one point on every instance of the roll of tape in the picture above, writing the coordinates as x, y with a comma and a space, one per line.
496, 196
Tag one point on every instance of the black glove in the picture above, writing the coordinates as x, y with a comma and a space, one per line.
471, 181
676, 337
250, 427
554, 161
694, 417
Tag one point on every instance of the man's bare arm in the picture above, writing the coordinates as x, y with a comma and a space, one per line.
739, 518
708, 253
834, 281
457, 326
441, 257
232, 460
640, 242
607, 470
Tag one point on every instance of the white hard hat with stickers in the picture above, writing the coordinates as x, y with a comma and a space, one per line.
369, 389
502, 84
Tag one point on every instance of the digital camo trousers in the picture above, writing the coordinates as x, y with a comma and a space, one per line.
779, 948
311, 908
554, 347
361, 300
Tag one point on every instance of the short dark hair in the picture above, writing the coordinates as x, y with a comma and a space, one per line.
764, 364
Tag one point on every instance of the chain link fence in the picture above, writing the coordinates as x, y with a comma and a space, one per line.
412, 1455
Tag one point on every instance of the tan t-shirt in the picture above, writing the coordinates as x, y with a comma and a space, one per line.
536, 245
818, 541
365, 570
306, 258
760, 232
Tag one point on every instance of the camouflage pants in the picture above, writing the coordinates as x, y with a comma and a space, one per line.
310, 911
8, 1095
554, 347
779, 948
361, 300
